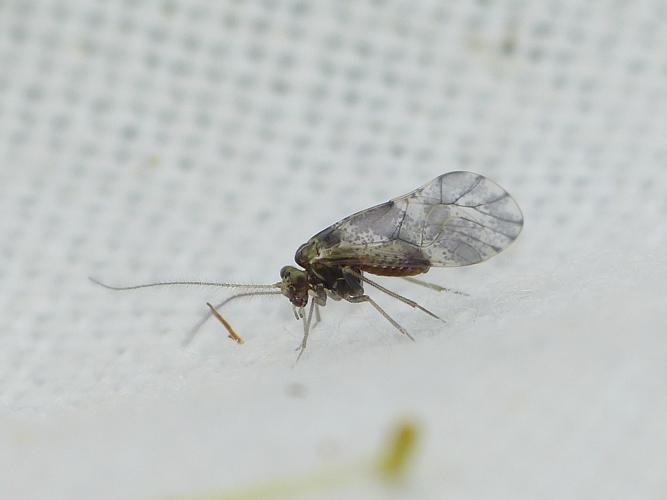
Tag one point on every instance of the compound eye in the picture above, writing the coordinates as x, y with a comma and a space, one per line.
285, 272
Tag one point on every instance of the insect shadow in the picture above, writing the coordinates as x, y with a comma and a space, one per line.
457, 219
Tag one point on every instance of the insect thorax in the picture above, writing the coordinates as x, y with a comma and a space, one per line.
306, 253
339, 282
335, 282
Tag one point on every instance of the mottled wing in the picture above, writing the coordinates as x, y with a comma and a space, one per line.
457, 219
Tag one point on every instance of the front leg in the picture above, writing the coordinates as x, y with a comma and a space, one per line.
306, 329
319, 297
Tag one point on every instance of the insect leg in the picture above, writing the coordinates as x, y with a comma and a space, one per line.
433, 286
319, 297
366, 298
298, 312
318, 316
306, 329
405, 300
193, 331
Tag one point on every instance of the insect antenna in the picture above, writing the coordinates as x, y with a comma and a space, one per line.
214, 312
232, 334
192, 283
213, 309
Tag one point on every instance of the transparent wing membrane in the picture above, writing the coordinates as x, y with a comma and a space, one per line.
457, 219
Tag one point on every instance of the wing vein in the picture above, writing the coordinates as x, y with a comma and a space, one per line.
501, 197
487, 227
497, 217
495, 248
418, 227
474, 185
400, 224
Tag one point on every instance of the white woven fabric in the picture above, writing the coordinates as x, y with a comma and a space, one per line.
177, 139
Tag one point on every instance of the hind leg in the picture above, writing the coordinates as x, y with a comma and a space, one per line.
366, 298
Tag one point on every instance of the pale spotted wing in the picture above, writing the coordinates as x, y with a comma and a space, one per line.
457, 219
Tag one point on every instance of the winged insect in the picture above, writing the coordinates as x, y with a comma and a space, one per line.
457, 219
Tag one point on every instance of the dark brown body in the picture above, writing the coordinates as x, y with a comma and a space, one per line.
333, 278
457, 219
322, 282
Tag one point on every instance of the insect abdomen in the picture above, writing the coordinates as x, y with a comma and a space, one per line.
395, 271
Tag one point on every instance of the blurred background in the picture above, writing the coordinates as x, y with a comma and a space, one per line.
177, 139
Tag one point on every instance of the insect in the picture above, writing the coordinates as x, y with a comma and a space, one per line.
457, 219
